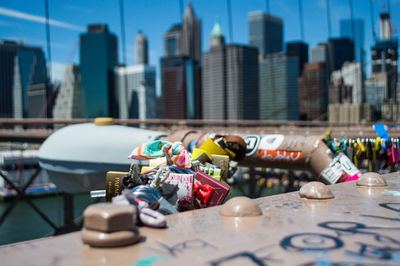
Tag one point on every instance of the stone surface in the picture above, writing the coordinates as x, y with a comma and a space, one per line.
115, 239
371, 179
240, 207
315, 190
108, 217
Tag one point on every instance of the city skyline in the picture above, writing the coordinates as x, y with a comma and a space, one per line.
70, 19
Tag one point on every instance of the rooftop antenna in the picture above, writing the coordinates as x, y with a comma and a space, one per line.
301, 19
328, 17
228, 4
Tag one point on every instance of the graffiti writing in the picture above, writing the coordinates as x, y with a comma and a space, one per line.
310, 242
175, 250
256, 257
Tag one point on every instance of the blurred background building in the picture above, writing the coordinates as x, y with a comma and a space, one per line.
279, 95
98, 58
265, 33
181, 69
136, 85
263, 77
68, 104
24, 87
230, 80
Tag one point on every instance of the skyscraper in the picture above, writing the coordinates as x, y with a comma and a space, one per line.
98, 58
191, 34
181, 86
265, 32
319, 54
69, 101
299, 49
347, 84
230, 80
139, 101
141, 49
173, 41
313, 91
214, 99
385, 56
181, 70
354, 29
22, 74
278, 97
375, 89
340, 50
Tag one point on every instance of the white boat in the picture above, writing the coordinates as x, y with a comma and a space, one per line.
77, 157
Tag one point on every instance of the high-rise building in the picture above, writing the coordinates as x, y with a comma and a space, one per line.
340, 50
242, 82
214, 91
278, 97
23, 81
137, 98
230, 80
265, 33
191, 34
69, 100
375, 89
173, 41
141, 49
313, 91
319, 54
181, 86
98, 58
181, 70
299, 49
354, 29
385, 57
347, 84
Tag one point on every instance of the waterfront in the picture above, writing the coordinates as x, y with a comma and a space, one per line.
23, 223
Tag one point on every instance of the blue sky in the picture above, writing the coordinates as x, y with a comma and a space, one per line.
23, 20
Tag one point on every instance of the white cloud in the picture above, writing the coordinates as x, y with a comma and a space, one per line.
17, 14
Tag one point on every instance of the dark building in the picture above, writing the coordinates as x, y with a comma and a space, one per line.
265, 33
313, 91
191, 34
230, 80
181, 69
98, 58
385, 57
279, 93
181, 85
340, 50
173, 41
22, 71
299, 49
